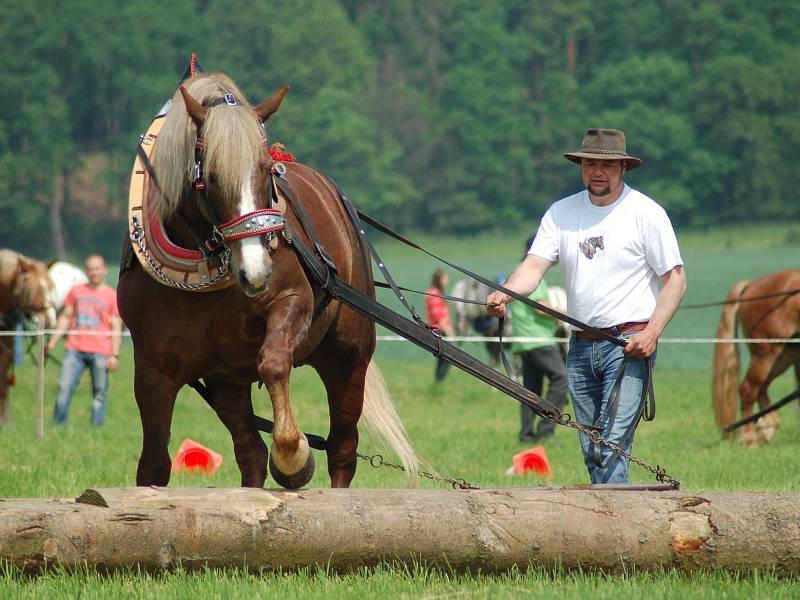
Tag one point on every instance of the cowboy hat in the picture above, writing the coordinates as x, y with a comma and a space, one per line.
604, 144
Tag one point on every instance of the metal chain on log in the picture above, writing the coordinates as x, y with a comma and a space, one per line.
661, 475
377, 461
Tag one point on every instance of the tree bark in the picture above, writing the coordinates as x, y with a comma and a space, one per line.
490, 530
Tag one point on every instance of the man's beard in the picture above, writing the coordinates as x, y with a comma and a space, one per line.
602, 193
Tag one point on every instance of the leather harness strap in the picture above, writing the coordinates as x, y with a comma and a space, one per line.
616, 330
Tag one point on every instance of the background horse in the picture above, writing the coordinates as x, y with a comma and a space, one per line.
25, 293
476, 317
274, 318
64, 276
776, 316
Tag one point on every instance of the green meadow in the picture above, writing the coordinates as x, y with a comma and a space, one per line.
461, 427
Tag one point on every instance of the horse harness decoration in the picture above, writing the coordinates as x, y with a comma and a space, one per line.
208, 267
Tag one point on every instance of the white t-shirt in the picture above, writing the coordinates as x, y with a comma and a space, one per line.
612, 257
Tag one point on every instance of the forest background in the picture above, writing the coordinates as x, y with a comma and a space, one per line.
442, 116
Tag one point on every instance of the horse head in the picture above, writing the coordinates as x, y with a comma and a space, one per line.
32, 291
213, 150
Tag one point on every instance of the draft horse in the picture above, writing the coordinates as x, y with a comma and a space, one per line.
25, 293
272, 318
767, 307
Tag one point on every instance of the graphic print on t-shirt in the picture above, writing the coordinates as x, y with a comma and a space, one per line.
89, 313
590, 245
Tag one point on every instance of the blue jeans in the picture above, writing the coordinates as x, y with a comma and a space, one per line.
71, 370
592, 369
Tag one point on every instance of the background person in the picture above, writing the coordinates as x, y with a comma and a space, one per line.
439, 315
623, 273
538, 360
90, 307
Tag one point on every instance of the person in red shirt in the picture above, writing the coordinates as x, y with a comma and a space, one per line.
90, 308
438, 315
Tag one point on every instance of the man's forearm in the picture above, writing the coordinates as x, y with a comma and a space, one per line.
668, 299
528, 275
116, 336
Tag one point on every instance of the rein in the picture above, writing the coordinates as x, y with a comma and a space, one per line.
742, 300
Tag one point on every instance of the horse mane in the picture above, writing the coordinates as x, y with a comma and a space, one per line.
233, 136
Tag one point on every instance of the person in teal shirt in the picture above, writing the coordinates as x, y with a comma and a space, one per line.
539, 359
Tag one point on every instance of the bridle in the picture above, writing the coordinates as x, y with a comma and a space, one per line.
264, 222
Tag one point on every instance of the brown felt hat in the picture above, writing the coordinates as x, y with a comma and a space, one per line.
604, 144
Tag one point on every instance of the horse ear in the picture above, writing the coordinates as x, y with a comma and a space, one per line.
25, 264
197, 111
270, 105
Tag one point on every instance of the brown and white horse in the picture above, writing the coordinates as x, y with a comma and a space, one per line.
766, 308
272, 319
25, 293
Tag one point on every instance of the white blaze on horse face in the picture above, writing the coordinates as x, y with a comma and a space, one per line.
254, 266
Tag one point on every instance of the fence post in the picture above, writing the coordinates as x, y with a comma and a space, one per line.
40, 388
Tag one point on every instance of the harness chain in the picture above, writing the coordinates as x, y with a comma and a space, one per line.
377, 461
139, 238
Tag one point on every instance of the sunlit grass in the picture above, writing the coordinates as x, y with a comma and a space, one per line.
461, 427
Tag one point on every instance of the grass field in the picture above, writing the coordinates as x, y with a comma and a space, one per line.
463, 429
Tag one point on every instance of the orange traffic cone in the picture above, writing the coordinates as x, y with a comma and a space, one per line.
195, 457
534, 460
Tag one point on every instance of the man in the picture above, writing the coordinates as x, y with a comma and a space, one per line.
539, 359
623, 273
92, 308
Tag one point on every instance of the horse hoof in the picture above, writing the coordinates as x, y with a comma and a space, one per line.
296, 480
748, 440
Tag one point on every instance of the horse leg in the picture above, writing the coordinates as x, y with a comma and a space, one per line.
234, 407
155, 396
764, 366
6, 360
767, 425
291, 462
344, 381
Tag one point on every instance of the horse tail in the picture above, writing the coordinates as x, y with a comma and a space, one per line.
726, 360
382, 420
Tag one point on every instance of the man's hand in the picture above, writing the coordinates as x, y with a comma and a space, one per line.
113, 363
523, 280
642, 344
496, 304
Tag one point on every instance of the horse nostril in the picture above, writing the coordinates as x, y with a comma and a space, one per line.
242, 275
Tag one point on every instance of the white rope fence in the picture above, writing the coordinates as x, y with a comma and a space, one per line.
397, 338
457, 338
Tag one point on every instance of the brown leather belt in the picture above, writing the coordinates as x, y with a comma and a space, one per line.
615, 330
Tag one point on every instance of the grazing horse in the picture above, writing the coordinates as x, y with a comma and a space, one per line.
213, 170
772, 312
25, 293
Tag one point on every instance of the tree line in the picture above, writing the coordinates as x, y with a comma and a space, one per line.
445, 116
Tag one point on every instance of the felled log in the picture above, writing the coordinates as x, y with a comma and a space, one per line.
490, 530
